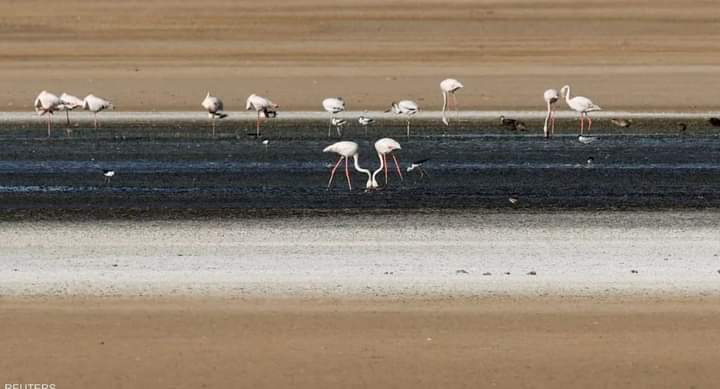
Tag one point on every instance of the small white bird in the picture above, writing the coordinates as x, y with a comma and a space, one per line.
551, 97
418, 165
365, 121
47, 103
108, 175
265, 143
333, 105
404, 107
339, 124
214, 107
69, 103
449, 86
586, 139
96, 104
262, 106
346, 150
385, 147
581, 105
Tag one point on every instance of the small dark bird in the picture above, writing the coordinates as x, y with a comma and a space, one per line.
108, 175
339, 124
418, 165
714, 121
514, 124
682, 127
622, 123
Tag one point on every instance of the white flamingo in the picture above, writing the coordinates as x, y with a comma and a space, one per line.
365, 121
333, 105
580, 104
47, 103
404, 107
214, 106
348, 150
449, 86
96, 104
69, 103
261, 105
551, 97
384, 147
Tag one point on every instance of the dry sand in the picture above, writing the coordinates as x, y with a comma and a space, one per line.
164, 55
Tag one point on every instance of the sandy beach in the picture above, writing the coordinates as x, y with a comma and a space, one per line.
164, 55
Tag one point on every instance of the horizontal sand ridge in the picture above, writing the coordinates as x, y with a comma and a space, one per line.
372, 256
119, 116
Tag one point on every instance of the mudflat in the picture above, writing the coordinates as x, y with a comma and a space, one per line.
164, 55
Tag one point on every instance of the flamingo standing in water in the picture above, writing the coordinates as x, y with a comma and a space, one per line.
69, 103
47, 103
551, 97
214, 106
449, 86
261, 105
581, 105
333, 105
384, 147
348, 150
96, 104
404, 107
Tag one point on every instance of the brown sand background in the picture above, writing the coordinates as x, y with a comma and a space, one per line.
164, 55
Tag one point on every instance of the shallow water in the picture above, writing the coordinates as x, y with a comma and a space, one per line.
474, 165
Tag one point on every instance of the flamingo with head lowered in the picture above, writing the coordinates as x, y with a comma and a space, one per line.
449, 87
404, 107
581, 105
348, 150
69, 103
214, 106
47, 103
262, 106
96, 104
551, 97
333, 105
384, 147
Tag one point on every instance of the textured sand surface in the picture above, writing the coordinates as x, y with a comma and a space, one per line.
491, 342
164, 55
388, 255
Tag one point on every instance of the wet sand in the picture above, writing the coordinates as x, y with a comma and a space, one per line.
486, 342
164, 55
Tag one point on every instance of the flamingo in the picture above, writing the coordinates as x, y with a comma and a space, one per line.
333, 105
449, 86
346, 150
404, 107
551, 97
261, 105
96, 104
47, 103
365, 121
69, 103
214, 106
580, 104
384, 147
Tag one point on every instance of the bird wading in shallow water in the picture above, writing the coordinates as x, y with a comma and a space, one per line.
385, 147
333, 105
69, 103
214, 107
581, 105
47, 103
108, 174
263, 106
514, 124
551, 97
339, 124
418, 165
348, 150
404, 107
365, 121
96, 104
448, 87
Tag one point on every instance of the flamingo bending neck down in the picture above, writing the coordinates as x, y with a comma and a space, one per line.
384, 147
346, 150
96, 104
47, 103
450, 86
551, 97
69, 103
214, 106
581, 105
404, 107
261, 105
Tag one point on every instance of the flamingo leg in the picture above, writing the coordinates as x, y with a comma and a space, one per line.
457, 110
397, 166
408, 127
589, 121
213, 125
257, 125
332, 173
330, 126
49, 121
67, 116
552, 120
582, 124
347, 173
95, 120
384, 157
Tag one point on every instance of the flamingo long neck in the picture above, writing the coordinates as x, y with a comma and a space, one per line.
358, 168
547, 117
380, 169
567, 95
